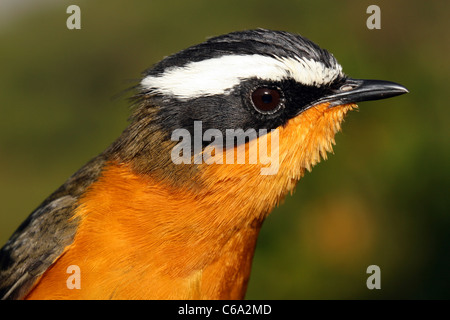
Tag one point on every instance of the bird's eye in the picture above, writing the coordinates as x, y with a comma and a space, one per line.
266, 100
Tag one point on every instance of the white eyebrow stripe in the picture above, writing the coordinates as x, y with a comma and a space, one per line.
218, 75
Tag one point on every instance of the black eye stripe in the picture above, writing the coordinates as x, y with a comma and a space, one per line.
236, 109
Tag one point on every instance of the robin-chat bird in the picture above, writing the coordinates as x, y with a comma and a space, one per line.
140, 224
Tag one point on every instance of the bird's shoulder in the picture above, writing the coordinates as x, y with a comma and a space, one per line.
44, 235
36, 244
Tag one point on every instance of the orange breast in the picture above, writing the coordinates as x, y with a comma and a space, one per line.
142, 239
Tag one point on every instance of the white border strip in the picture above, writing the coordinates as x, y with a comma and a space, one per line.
219, 75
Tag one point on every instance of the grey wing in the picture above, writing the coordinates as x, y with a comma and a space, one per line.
42, 237
36, 244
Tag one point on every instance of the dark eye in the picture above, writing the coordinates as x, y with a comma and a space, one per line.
266, 100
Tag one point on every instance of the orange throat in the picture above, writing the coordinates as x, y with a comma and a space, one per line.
139, 238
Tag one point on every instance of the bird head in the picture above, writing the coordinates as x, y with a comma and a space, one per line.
271, 89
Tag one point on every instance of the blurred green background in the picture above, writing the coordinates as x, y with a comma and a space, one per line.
382, 198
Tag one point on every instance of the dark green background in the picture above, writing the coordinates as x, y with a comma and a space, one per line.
382, 198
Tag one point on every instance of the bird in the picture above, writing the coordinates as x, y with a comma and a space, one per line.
162, 213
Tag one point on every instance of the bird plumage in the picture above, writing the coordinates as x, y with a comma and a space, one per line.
141, 226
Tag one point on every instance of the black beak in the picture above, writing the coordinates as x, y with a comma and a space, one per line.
356, 90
